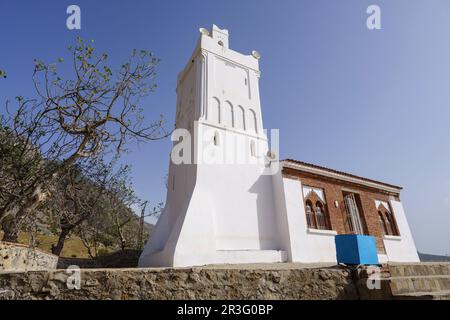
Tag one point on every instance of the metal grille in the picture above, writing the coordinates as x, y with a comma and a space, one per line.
353, 217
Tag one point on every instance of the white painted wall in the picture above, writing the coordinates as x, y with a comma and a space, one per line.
304, 245
401, 248
221, 208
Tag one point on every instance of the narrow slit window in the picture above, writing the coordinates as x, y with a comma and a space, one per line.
216, 138
252, 148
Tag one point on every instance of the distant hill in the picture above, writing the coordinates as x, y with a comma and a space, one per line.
425, 257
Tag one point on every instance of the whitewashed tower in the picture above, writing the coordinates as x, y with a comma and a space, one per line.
220, 208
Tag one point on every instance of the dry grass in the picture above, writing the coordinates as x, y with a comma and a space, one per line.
73, 247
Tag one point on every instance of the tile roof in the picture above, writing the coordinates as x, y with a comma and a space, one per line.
314, 166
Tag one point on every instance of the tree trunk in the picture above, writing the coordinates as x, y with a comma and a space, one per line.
10, 230
12, 225
123, 241
56, 250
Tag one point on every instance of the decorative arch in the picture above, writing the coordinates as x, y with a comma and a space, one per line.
227, 114
319, 212
310, 214
252, 121
382, 223
213, 111
392, 224
387, 219
239, 118
316, 208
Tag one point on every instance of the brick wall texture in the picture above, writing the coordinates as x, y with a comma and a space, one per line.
334, 191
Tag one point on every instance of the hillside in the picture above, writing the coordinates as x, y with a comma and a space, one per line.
73, 246
425, 257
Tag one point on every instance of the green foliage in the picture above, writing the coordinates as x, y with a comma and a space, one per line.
90, 113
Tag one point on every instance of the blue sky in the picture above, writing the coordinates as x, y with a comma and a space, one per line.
373, 103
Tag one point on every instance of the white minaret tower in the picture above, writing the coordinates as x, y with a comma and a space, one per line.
219, 206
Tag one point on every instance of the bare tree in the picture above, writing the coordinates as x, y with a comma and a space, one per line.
121, 199
80, 194
20, 163
96, 111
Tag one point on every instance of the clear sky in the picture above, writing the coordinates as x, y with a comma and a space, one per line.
373, 103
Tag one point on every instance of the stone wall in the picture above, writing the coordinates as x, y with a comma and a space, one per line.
127, 258
18, 257
279, 281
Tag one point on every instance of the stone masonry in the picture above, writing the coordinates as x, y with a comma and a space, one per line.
18, 257
285, 281
278, 281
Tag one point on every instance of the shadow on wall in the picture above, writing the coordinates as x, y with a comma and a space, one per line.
266, 214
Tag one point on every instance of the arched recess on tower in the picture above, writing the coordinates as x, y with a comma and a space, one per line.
213, 111
228, 114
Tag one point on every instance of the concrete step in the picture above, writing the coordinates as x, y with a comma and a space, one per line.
419, 269
250, 256
423, 295
426, 283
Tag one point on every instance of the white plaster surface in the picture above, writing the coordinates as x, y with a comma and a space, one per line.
402, 248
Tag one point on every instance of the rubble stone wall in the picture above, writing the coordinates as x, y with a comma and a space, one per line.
280, 282
18, 257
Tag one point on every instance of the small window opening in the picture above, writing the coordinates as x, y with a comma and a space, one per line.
216, 138
252, 148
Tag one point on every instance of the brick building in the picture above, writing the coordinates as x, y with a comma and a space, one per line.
335, 202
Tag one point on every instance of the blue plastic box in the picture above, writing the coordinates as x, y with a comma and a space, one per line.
356, 249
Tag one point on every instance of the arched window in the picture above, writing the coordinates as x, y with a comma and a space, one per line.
382, 223
391, 223
388, 226
320, 216
315, 208
309, 215
387, 219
